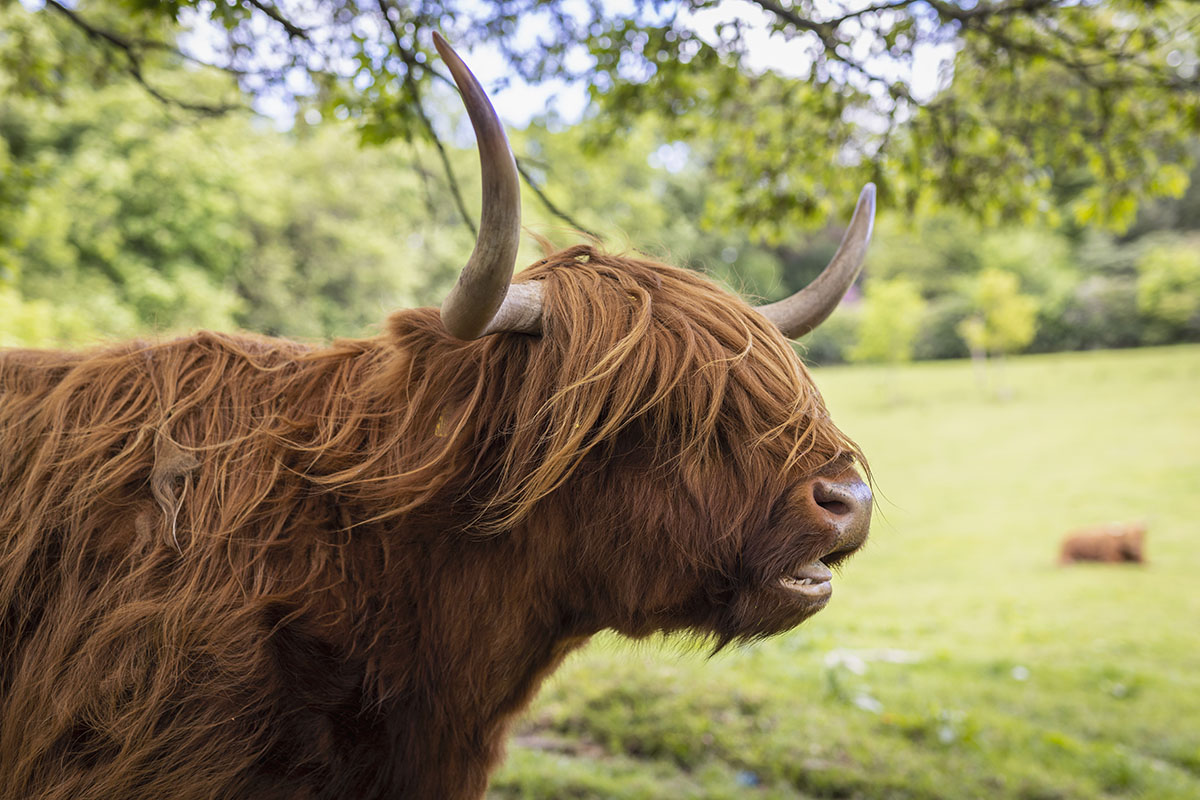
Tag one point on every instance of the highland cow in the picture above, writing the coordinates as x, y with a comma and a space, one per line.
240, 567
1113, 543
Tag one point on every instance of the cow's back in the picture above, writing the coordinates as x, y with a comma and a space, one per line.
149, 648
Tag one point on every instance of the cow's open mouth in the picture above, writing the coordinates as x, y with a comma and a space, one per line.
813, 582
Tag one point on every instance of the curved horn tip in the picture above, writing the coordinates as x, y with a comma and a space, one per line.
482, 301
443, 47
866, 198
807, 308
459, 70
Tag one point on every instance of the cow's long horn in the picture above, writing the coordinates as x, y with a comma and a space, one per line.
482, 302
808, 308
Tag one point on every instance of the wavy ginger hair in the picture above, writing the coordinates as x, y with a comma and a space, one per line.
242, 567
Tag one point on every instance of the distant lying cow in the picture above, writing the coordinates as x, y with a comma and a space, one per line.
1112, 543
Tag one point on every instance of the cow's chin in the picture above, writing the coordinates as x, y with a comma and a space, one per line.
776, 604
774, 608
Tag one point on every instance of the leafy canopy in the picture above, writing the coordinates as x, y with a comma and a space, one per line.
1000, 107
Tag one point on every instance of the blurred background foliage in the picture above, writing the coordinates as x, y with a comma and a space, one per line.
138, 193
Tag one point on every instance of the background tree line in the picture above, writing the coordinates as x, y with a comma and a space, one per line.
136, 196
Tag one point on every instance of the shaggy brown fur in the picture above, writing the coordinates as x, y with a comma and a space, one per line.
241, 567
1112, 543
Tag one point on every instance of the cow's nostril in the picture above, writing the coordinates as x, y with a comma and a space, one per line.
835, 507
833, 498
845, 505
845, 508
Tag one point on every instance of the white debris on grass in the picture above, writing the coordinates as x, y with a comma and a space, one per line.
856, 660
868, 703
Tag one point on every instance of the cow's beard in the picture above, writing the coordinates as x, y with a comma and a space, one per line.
773, 595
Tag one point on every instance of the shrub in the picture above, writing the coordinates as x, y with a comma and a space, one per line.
831, 342
938, 336
890, 321
1101, 312
1168, 289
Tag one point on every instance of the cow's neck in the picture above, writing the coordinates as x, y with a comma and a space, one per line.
483, 640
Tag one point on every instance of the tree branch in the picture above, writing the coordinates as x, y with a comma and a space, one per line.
862, 12
550, 206
825, 30
293, 31
1081, 69
410, 63
985, 11
133, 60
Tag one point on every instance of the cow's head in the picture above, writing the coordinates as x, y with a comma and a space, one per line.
664, 450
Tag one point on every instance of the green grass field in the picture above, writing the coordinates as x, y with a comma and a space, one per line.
956, 659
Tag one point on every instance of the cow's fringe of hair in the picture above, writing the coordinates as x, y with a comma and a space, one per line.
237, 452
626, 341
